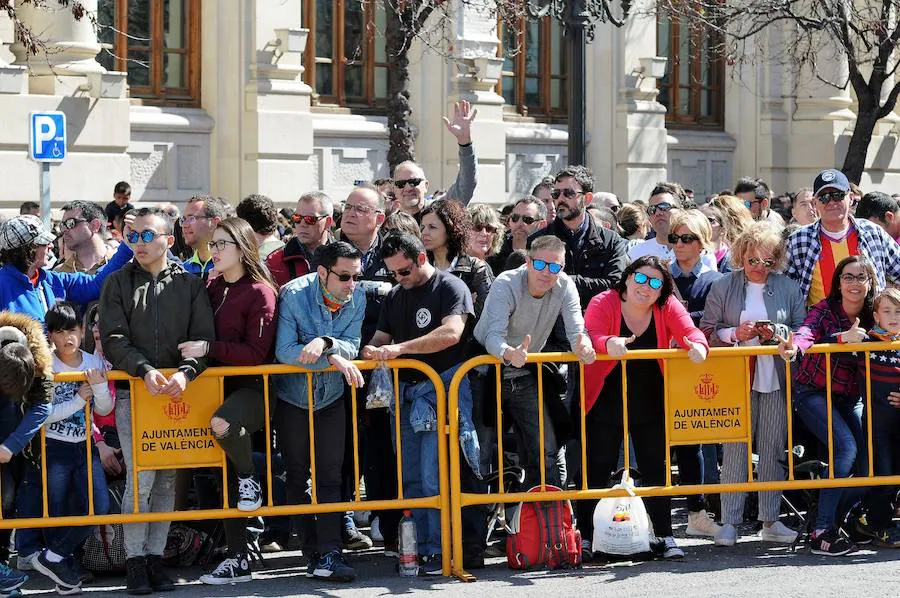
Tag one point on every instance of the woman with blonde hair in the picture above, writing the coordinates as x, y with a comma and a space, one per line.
756, 305
736, 216
487, 233
635, 224
719, 246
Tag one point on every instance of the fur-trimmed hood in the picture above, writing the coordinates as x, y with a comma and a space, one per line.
37, 341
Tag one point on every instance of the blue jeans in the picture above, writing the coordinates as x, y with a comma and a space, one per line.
885, 437
67, 494
711, 454
420, 478
849, 442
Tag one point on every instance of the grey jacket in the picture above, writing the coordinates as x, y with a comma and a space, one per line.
785, 307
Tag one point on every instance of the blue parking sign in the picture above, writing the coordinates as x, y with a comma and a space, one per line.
47, 136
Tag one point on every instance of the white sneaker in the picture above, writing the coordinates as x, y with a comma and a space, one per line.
375, 531
778, 532
249, 493
727, 535
672, 551
701, 524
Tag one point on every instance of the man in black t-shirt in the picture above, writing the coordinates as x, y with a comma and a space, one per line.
423, 317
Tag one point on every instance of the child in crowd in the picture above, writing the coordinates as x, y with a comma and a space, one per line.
104, 425
25, 374
885, 377
66, 429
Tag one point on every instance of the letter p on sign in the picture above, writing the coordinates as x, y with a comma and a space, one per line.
47, 136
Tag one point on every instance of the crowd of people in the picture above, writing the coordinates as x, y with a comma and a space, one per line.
393, 271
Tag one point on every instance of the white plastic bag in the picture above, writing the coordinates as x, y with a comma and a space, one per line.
621, 525
381, 388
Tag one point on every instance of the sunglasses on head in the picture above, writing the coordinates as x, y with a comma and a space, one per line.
641, 278
660, 207
70, 223
147, 236
404, 182
346, 277
687, 238
568, 193
309, 220
525, 219
553, 267
755, 261
827, 198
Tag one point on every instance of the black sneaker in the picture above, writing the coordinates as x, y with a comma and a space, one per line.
331, 565
888, 538
249, 493
830, 543
431, 565
311, 563
392, 549
83, 574
860, 531
62, 573
234, 569
159, 581
137, 582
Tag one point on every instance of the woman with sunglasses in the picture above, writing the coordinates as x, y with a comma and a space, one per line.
640, 313
446, 228
243, 297
487, 233
842, 317
751, 306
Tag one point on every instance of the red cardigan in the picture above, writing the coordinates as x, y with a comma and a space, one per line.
602, 320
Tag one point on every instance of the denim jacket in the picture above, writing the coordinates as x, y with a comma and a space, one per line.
303, 317
423, 413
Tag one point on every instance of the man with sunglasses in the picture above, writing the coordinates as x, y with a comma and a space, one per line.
814, 250
519, 314
319, 325
664, 198
424, 318
410, 182
83, 226
312, 222
595, 256
201, 216
756, 195
529, 214
146, 309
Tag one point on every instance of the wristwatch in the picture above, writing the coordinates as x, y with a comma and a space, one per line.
329, 345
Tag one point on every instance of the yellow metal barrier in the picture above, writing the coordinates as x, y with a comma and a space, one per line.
678, 378
202, 397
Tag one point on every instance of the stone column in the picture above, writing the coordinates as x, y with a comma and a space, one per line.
276, 131
71, 49
474, 78
13, 78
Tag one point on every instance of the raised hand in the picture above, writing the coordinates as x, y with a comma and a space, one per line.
461, 125
517, 356
617, 346
697, 352
855, 334
786, 347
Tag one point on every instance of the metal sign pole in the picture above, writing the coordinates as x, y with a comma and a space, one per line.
45, 194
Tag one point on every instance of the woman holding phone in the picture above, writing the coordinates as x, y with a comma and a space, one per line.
757, 305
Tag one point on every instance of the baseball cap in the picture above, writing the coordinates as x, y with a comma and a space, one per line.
22, 230
831, 179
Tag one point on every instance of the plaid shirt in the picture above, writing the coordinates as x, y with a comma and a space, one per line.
825, 320
804, 247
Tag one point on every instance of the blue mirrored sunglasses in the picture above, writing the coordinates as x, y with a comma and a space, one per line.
641, 278
552, 266
147, 236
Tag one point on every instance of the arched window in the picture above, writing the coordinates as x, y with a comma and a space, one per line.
157, 42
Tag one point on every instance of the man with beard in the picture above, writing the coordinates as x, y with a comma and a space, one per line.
528, 215
595, 256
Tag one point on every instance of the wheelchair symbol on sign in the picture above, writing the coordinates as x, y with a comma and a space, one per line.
56, 152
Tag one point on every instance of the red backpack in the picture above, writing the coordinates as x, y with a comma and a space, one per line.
543, 535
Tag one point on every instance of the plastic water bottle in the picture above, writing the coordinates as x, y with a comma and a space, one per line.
409, 548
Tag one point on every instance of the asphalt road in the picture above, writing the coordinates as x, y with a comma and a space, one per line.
749, 569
